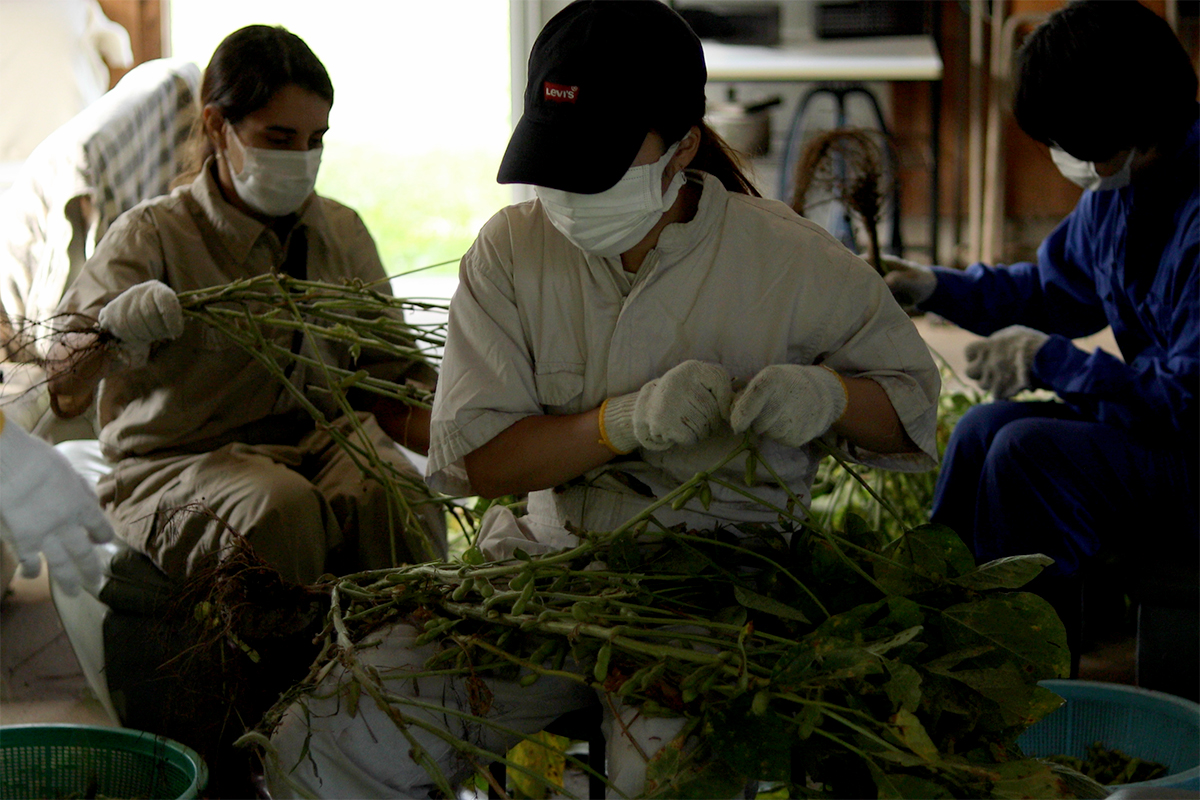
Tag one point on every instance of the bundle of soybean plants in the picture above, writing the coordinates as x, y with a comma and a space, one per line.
829, 663
267, 316
828, 660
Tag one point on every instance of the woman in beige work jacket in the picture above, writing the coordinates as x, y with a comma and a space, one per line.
188, 417
607, 341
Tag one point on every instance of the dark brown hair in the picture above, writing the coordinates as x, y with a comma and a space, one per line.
714, 156
1100, 76
246, 70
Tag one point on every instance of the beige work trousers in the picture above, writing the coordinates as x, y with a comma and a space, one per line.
305, 509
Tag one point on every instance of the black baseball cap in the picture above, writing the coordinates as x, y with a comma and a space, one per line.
602, 74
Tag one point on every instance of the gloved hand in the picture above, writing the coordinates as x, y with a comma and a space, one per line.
790, 403
911, 283
47, 507
142, 315
1002, 363
687, 404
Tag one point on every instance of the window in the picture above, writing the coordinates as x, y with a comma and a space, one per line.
421, 113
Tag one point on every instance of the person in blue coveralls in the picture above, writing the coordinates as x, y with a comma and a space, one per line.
1112, 92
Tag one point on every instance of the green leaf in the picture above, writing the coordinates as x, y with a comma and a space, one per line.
1021, 627
541, 754
713, 778
767, 605
807, 720
873, 620
881, 646
904, 728
1026, 778
752, 745
857, 530
903, 688
674, 772
624, 555
849, 662
921, 558
1020, 702
1012, 572
795, 665
898, 785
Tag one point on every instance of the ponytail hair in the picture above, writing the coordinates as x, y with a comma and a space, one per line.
720, 160
714, 156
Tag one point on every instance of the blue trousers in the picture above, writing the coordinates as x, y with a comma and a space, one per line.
1038, 478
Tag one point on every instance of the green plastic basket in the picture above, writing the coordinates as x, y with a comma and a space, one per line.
61, 761
1153, 726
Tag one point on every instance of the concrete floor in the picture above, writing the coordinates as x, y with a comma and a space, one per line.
41, 681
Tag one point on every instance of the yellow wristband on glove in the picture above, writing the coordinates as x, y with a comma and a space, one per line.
604, 440
845, 391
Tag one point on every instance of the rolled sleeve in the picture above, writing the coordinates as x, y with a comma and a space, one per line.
487, 380
883, 344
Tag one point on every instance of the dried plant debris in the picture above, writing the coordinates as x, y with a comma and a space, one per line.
848, 165
1112, 767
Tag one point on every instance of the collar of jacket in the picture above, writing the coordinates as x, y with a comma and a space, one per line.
239, 231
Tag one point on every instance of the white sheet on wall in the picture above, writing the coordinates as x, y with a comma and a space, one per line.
52, 65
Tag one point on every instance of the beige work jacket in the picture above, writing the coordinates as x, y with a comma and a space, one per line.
201, 391
539, 327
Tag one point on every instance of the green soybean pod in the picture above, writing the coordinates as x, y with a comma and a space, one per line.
523, 600
543, 651
530, 679
694, 677
750, 468
705, 495
462, 589
600, 671
652, 676
681, 501
762, 699
522, 579
485, 587
626, 688
579, 612
431, 634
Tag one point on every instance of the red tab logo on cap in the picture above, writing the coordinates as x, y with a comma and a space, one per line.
557, 93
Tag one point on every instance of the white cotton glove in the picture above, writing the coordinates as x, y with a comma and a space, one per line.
1003, 362
47, 507
911, 283
790, 403
687, 404
142, 315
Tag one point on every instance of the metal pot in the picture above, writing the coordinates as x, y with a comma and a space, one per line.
744, 127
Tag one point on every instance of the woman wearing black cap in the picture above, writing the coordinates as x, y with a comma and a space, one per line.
621, 333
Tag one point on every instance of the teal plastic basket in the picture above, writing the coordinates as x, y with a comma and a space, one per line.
1152, 726
58, 761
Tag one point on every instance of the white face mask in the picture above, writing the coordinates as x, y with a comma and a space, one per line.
274, 182
609, 223
1084, 175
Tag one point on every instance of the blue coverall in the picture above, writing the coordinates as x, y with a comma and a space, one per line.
1116, 462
